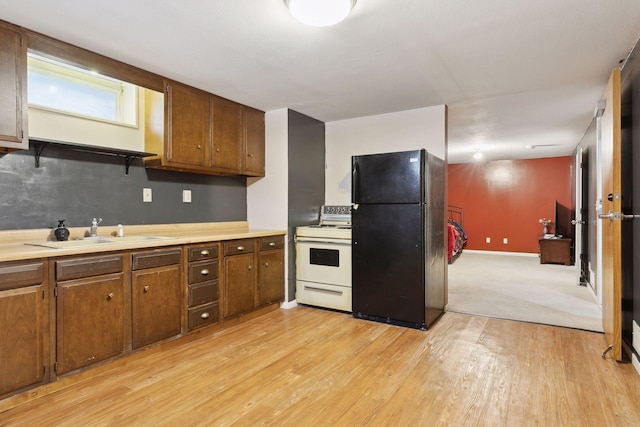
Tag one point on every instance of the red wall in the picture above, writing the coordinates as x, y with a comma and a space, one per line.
507, 198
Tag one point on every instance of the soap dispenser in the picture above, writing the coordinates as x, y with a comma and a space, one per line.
61, 232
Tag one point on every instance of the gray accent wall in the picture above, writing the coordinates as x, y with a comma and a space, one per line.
306, 180
78, 186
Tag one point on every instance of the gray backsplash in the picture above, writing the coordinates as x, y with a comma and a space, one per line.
78, 186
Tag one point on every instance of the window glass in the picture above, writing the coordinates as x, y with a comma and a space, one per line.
63, 88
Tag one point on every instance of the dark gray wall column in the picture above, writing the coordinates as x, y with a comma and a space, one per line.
306, 179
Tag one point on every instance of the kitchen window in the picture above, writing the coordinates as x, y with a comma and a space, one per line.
63, 88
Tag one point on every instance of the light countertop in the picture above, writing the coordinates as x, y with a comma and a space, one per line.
26, 244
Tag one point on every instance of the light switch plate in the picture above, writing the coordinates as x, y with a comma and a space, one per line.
147, 196
186, 196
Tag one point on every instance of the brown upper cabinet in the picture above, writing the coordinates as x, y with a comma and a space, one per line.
13, 89
254, 142
204, 133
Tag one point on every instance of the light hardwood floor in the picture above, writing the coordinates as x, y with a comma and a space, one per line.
311, 367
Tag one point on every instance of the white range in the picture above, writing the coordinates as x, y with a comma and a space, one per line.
323, 260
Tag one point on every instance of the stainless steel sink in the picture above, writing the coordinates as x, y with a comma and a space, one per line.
93, 241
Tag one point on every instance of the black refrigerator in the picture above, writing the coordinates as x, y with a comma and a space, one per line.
398, 230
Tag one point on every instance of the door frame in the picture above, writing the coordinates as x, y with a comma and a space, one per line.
610, 219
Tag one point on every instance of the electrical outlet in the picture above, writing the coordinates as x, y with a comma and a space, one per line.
147, 195
488, 240
186, 196
505, 241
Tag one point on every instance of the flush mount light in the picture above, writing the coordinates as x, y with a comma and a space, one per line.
477, 155
320, 13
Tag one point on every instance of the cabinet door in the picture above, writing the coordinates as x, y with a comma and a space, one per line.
22, 323
156, 303
254, 142
188, 126
227, 134
90, 320
13, 90
239, 284
270, 277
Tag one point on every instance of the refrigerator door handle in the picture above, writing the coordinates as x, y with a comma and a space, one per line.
354, 183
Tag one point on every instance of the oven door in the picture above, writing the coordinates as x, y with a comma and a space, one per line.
324, 261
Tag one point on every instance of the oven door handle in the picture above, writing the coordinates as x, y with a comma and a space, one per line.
328, 242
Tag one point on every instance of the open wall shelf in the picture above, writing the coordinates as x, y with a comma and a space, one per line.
128, 155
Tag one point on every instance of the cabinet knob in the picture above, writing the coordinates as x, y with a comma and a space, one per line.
217, 150
204, 315
272, 244
249, 155
266, 264
249, 268
199, 146
110, 296
240, 248
146, 289
204, 271
204, 252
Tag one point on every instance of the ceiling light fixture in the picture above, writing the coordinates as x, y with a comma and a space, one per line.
477, 155
320, 13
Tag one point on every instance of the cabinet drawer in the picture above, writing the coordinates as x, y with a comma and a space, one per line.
156, 258
203, 315
271, 242
201, 252
236, 247
18, 276
203, 271
88, 266
202, 293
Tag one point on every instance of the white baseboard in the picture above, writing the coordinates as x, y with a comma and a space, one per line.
289, 304
636, 337
476, 251
636, 362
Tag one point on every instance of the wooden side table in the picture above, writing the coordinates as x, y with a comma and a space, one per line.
556, 251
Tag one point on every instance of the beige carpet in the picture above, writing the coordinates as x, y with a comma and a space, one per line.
520, 288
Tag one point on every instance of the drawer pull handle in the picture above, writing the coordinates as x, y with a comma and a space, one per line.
240, 248
204, 271
272, 244
327, 291
110, 296
204, 315
204, 252
146, 289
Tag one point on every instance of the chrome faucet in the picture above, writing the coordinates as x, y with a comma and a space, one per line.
93, 232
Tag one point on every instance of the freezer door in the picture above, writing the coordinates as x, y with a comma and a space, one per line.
388, 262
388, 178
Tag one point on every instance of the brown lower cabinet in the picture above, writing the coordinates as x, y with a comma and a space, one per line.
203, 285
105, 305
90, 310
24, 325
270, 277
253, 274
156, 295
240, 283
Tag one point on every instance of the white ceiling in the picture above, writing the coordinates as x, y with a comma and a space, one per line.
513, 72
